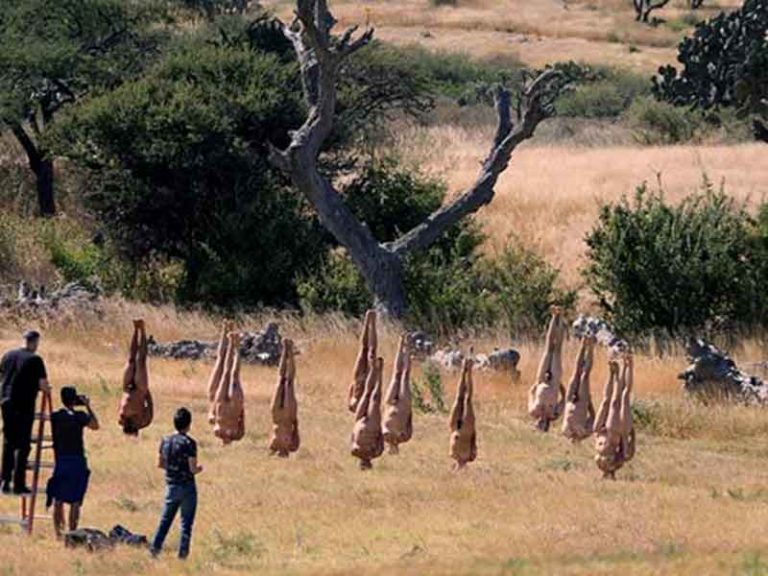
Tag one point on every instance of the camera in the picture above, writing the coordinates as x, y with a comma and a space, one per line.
81, 400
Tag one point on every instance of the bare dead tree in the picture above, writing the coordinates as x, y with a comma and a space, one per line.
320, 55
643, 8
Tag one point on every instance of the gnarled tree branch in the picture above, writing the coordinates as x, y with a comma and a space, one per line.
535, 107
320, 56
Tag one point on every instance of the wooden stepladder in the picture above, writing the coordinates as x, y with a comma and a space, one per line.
40, 442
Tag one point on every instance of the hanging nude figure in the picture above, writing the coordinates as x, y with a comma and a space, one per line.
463, 447
367, 438
614, 429
217, 375
368, 342
285, 417
579, 414
136, 409
398, 416
229, 405
546, 397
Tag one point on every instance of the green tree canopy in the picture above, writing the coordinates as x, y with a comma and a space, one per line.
55, 52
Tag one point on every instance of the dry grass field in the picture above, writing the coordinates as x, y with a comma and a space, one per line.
537, 32
550, 195
693, 502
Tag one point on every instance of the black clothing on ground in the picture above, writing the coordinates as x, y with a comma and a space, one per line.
176, 451
21, 372
67, 427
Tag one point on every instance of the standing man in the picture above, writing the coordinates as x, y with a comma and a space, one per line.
178, 457
69, 481
23, 375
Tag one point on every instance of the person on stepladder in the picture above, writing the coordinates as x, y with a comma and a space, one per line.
23, 375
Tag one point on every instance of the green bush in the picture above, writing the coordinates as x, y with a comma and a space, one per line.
520, 287
452, 75
657, 122
604, 94
674, 269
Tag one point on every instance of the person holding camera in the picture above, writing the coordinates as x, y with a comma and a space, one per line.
70, 473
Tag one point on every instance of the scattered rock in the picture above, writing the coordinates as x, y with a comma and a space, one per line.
255, 347
448, 358
421, 344
74, 298
506, 359
712, 373
601, 330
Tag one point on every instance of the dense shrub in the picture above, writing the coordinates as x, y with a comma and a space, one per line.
520, 287
657, 122
603, 93
674, 269
180, 173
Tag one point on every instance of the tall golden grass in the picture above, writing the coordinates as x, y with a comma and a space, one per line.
549, 196
540, 32
693, 501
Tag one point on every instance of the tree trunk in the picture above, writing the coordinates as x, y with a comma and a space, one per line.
42, 168
384, 276
45, 195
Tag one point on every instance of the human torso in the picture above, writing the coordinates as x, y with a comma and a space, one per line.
176, 450
21, 371
67, 426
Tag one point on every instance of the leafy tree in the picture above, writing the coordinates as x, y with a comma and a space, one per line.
725, 63
179, 161
673, 269
53, 53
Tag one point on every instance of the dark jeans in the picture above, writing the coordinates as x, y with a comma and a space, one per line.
17, 438
182, 496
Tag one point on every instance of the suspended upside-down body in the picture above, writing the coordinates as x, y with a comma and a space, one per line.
579, 413
219, 368
285, 411
136, 407
398, 414
229, 403
614, 428
546, 398
367, 350
463, 445
367, 436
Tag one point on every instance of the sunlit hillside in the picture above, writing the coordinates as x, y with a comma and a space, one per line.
538, 32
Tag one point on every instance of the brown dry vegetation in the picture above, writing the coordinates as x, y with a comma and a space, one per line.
538, 32
549, 196
693, 501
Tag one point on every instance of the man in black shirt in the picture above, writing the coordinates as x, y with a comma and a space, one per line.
23, 374
70, 474
178, 457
